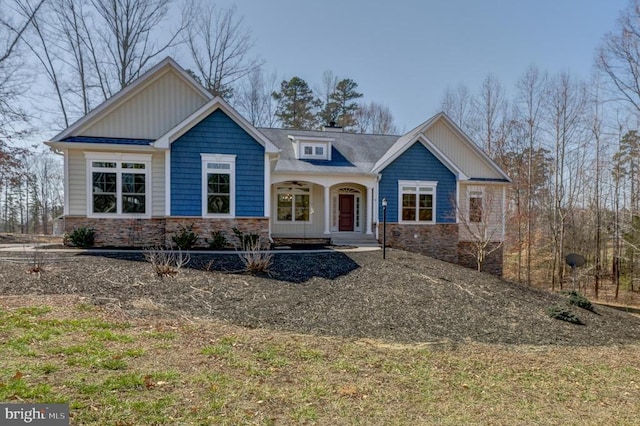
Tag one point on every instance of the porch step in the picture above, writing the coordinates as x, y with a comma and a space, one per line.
359, 240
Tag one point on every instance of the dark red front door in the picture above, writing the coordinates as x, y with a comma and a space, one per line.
346, 212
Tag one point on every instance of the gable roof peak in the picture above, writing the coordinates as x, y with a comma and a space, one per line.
129, 91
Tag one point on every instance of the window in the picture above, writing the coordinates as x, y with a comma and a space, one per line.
118, 184
417, 201
294, 204
218, 185
314, 151
475, 206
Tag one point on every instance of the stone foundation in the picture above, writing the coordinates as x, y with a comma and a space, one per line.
158, 231
438, 241
492, 264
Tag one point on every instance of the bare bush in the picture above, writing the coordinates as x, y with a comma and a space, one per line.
38, 259
165, 262
255, 260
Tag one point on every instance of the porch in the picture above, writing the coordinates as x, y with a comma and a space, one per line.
304, 210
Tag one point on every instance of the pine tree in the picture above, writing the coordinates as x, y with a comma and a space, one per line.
296, 104
341, 108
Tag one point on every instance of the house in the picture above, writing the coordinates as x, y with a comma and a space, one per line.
163, 153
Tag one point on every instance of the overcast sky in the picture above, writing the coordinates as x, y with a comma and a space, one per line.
404, 53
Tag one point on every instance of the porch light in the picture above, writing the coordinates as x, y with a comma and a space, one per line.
384, 228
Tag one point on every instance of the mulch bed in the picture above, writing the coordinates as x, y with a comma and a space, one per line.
406, 298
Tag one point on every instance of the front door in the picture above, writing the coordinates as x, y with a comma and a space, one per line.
345, 203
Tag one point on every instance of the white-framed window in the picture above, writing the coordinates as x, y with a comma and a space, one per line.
417, 201
317, 151
118, 184
294, 203
218, 185
476, 204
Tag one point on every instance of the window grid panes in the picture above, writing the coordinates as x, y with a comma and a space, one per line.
475, 209
120, 190
417, 204
218, 193
294, 204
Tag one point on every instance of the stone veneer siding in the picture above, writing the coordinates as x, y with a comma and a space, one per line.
492, 264
439, 241
158, 231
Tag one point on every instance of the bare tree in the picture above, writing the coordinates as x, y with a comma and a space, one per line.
254, 98
530, 100
220, 47
481, 215
127, 42
619, 56
12, 77
375, 118
490, 107
458, 103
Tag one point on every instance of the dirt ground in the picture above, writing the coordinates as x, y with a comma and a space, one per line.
406, 298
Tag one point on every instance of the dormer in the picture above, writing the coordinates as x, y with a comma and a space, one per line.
312, 147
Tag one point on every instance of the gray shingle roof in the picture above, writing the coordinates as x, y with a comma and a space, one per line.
351, 152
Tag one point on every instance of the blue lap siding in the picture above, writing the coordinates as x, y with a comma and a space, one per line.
216, 134
417, 163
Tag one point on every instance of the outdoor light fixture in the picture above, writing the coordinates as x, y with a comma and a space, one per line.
384, 228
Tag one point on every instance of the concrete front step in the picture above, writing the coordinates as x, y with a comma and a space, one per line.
355, 240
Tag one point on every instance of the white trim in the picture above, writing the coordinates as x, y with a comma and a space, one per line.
327, 210
167, 182
111, 147
369, 214
65, 162
224, 159
123, 95
119, 158
267, 185
433, 185
203, 112
479, 193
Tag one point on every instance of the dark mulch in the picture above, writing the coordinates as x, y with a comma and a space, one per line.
405, 298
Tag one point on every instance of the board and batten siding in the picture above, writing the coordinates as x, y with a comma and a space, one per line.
493, 206
150, 112
78, 182
290, 229
418, 163
217, 134
447, 141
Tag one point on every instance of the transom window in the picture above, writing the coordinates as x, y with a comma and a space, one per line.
294, 203
218, 185
118, 184
417, 201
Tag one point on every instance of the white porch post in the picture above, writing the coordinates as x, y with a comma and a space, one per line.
371, 205
327, 211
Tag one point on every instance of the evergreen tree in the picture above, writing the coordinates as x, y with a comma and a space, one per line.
296, 104
341, 107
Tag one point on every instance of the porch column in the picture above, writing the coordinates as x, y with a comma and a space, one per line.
327, 211
369, 221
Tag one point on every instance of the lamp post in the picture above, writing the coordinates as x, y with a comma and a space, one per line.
384, 228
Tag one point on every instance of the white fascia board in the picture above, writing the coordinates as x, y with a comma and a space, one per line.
204, 111
123, 95
86, 146
302, 138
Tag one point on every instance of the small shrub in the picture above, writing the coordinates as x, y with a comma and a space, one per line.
217, 241
577, 299
37, 261
185, 238
563, 314
82, 237
254, 260
166, 263
247, 241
